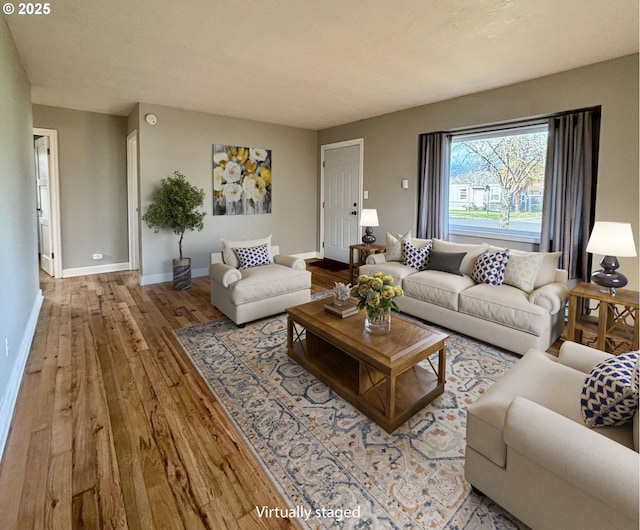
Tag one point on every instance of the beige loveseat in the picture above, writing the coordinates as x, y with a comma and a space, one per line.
256, 290
504, 315
529, 450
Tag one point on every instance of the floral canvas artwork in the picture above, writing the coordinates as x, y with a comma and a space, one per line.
241, 180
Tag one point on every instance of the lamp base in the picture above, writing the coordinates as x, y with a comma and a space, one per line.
368, 238
609, 277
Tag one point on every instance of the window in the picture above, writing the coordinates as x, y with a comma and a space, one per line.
496, 182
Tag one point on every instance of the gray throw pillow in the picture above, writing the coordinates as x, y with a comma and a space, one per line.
445, 261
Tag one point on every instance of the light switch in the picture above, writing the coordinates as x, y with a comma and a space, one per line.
366, 194
405, 184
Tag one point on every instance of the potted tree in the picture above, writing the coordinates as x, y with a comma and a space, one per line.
175, 206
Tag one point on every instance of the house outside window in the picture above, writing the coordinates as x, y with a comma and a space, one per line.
496, 182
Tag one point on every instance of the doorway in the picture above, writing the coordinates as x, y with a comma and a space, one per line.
341, 190
48, 200
132, 200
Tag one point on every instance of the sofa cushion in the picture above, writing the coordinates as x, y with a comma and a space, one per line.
436, 287
267, 281
547, 270
473, 251
489, 267
253, 256
610, 391
394, 246
506, 305
396, 269
415, 257
522, 270
537, 377
229, 246
445, 261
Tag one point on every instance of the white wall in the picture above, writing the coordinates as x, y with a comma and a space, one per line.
391, 141
182, 141
20, 295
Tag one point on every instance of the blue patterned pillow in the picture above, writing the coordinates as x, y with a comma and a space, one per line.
610, 391
253, 256
490, 266
415, 257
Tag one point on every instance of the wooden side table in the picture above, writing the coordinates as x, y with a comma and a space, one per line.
363, 251
616, 326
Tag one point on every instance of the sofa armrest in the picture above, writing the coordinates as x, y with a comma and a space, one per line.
290, 261
375, 259
580, 456
224, 274
552, 297
581, 357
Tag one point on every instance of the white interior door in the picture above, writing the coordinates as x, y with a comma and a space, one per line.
341, 184
45, 236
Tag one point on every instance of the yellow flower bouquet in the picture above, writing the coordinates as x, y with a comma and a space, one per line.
376, 294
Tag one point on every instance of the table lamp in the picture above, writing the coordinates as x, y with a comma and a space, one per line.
611, 240
368, 219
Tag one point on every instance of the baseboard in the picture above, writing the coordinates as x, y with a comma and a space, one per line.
97, 269
15, 378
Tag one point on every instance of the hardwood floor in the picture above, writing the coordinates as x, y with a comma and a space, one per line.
114, 428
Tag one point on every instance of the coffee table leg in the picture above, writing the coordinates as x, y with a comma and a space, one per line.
442, 365
391, 397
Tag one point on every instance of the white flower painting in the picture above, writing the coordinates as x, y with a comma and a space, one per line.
241, 180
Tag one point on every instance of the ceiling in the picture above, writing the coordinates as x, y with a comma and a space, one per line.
306, 63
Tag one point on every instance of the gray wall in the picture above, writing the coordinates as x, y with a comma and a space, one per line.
19, 286
182, 141
391, 141
93, 184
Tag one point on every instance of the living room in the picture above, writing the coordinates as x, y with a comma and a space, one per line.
92, 155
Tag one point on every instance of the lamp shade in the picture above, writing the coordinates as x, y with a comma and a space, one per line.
369, 218
612, 239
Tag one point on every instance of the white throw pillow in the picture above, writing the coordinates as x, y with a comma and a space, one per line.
522, 269
394, 246
228, 246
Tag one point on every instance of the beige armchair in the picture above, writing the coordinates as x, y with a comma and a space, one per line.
256, 288
529, 450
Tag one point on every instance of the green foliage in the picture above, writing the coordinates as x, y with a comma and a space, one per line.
175, 206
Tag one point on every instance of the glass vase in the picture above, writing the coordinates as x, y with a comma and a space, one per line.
380, 323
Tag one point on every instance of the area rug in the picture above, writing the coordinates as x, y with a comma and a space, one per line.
337, 468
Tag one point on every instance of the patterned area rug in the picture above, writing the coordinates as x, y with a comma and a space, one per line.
336, 467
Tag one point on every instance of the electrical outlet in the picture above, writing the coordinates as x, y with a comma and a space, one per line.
97, 257
6, 345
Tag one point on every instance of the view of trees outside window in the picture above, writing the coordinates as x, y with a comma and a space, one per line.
496, 181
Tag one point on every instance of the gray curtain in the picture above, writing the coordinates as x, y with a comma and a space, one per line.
570, 189
433, 186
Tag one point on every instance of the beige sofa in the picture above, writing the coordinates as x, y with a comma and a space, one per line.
256, 291
504, 315
529, 450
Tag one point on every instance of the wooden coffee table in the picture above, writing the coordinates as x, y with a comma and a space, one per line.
377, 374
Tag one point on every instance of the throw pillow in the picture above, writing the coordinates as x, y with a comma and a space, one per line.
415, 257
490, 266
446, 261
228, 247
522, 269
610, 391
394, 246
473, 251
253, 256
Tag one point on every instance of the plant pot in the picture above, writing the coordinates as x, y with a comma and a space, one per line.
181, 274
